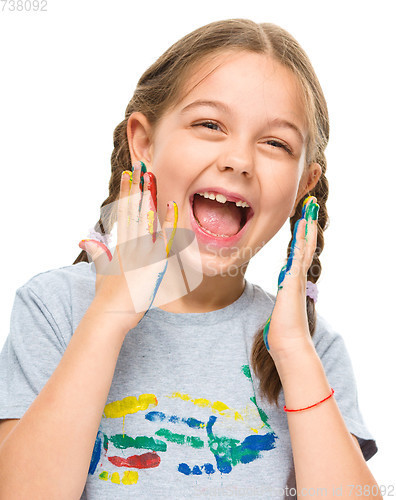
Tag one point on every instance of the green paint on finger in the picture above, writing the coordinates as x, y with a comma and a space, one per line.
312, 211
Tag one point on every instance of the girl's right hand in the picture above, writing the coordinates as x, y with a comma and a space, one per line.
126, 284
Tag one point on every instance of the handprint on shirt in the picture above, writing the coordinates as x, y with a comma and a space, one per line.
228, 452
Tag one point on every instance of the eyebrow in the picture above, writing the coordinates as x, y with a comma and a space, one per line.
277, 122
213, 104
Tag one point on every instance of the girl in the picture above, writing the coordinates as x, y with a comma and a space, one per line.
157, 370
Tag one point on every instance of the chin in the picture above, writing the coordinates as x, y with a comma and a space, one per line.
214, 264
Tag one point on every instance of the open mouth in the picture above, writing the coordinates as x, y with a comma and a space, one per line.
218, 216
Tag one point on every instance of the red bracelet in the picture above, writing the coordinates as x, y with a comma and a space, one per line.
316, 404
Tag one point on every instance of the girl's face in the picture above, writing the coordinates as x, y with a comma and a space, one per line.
239, 132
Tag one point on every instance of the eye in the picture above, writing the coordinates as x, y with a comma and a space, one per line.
278, 144
208, 124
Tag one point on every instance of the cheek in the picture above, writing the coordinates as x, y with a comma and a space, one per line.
280, 184
176, 162
183, 148
279, 189
164, 159
174, 173
278, 193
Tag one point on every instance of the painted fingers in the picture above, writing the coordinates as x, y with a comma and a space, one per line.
303, 243
141, 247
293, 276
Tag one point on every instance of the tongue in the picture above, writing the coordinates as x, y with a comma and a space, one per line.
218, 218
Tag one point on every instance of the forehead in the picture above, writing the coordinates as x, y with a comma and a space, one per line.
249, 83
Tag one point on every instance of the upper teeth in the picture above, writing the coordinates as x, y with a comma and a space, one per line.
222, 199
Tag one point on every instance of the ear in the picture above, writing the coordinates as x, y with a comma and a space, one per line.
139, 133
308, 182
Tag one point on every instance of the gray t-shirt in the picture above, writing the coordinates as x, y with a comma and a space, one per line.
183, 417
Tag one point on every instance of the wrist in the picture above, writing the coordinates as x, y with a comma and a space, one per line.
120, 320
296, 354
302, 376
304, 383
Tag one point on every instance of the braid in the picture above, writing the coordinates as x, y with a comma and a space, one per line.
321, 192
120, 161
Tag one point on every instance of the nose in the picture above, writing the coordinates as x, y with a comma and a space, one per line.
237, 158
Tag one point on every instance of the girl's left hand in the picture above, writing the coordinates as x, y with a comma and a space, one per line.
286, 330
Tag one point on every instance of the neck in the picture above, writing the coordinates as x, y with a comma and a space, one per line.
214, 292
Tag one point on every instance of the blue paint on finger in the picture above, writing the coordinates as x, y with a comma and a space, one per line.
143, 170
141, 196
309, 212
281, 276
291, 255
265, 333
157, 284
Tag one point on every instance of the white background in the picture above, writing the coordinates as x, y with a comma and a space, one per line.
66, 78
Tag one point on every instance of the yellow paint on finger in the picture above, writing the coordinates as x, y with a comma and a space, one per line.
150, 220
175, 218
130, 175
176, 214
308, 200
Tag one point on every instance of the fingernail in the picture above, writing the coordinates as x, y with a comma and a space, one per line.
83, 244
308, 201
129, 174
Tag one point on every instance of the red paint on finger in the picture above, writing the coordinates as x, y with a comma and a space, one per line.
152, 186
82, 245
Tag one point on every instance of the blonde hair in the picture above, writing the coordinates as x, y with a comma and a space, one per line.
160, 88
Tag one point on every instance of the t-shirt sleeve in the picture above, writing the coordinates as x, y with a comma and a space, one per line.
336, 361
32, 351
